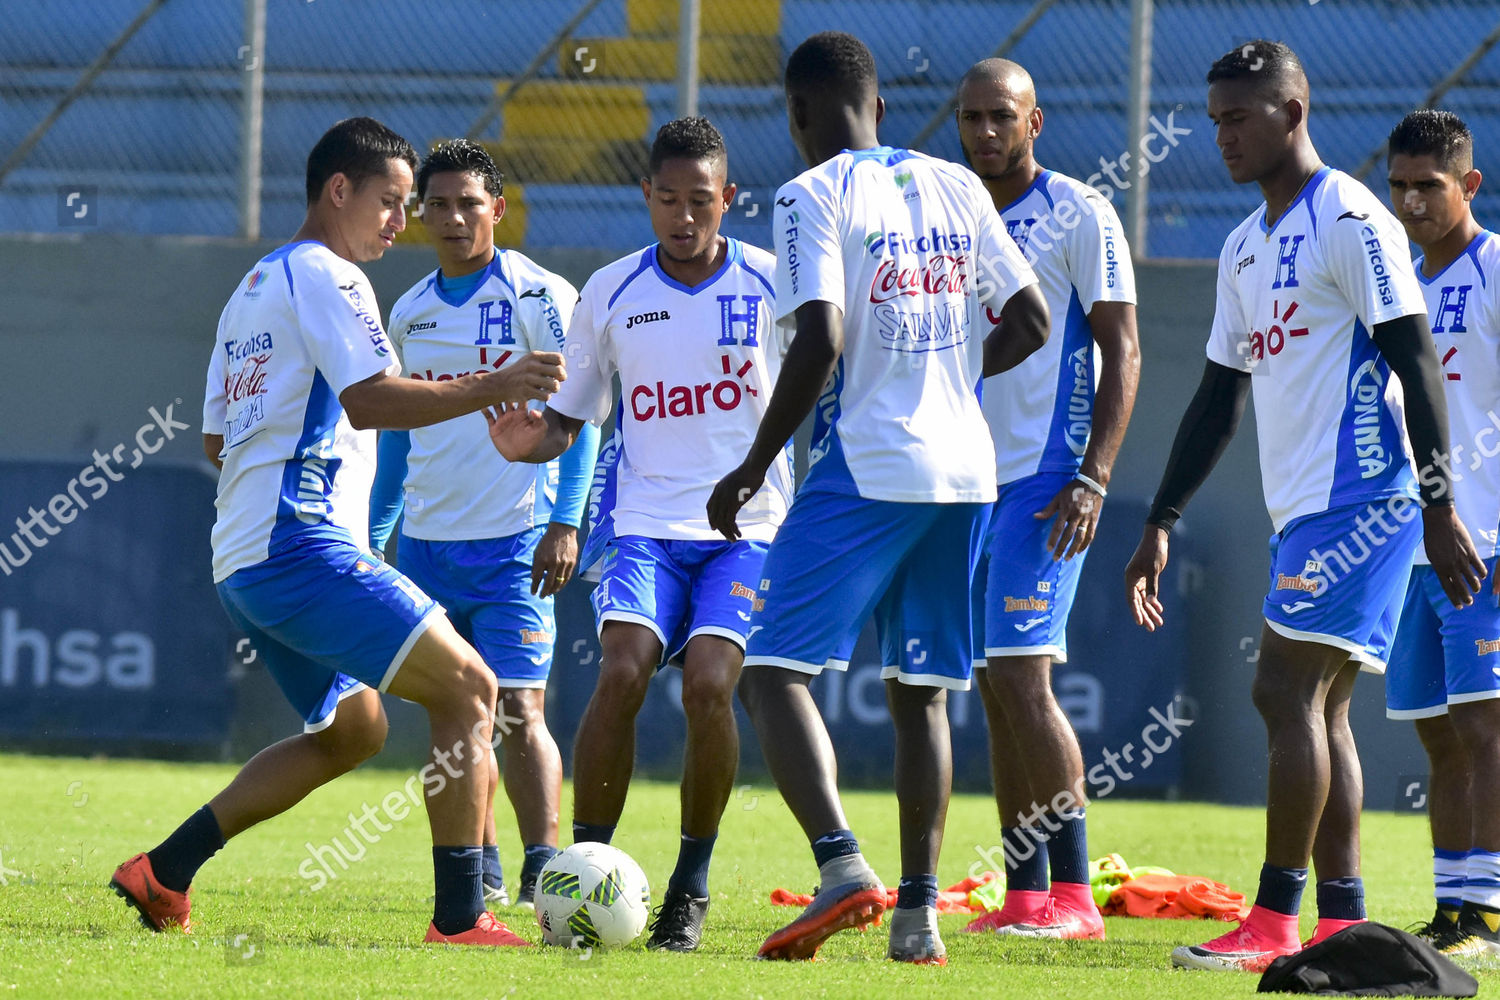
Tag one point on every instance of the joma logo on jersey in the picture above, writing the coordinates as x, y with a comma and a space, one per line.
1484, 647
1367, 391
1027, 604
1302, 583
641, 319
1454, 301
488, 323
660, 401
729, 318
419, 327
1243, 263
1286, 262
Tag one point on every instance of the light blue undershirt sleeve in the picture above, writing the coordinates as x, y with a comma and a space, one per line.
575, 470
388, 491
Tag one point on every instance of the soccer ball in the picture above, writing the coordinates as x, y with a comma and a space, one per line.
592, 896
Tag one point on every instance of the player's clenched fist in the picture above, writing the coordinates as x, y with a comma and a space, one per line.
536, 376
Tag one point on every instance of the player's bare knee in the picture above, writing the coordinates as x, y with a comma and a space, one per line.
623, 685
354, 739
706, 694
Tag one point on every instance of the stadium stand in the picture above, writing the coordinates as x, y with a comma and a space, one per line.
158, 131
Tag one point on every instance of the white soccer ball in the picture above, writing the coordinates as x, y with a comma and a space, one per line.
592, 896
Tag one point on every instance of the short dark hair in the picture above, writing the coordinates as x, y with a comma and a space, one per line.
687, 139
1272, 64
834, 61
358, 148
461, 156
1441, 135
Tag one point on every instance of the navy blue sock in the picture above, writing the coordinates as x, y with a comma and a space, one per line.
493, 877
459, 900
691, 874
1281, 888
537, 856
1341, 898
597, 832
1068, 848
1025, 851
834, 844
177, 859
916, 890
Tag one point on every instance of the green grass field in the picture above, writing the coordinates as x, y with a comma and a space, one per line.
260, 930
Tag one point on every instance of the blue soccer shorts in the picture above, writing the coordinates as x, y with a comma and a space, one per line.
1443, 655
680, 589
485, 586
1022, 595
1338, 577
838, 558
328, 620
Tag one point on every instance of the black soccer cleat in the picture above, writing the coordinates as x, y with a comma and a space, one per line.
677, 924
1443, 920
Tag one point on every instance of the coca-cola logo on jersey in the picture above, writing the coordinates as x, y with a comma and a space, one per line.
939, 274
253, 354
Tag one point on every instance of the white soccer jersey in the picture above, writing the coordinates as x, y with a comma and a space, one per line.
458, 488
301, 328
1463, 302
1041, 412
1296, 307
911, 249
696, 368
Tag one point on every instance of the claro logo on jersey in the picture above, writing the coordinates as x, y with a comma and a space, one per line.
660, 401
1366, 393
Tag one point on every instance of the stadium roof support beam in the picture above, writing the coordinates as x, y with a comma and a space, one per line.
1016, 34
1434, 95
252, 116
1142, 14
690, 20
82, 84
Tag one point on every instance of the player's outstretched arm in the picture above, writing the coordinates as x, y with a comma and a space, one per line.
1407, 345
388, 402
804, 372
1206, 430
1021, 332
1077, 506
521, 434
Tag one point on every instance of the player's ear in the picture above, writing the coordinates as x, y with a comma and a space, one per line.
646, 189
1036, 123
1296, 114
1472, 180
879, 108
499, 207
729, 189
338, 189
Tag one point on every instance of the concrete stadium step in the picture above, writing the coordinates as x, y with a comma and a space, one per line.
721, 58
572, 160
742, 17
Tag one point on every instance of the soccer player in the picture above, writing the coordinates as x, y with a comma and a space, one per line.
1056, 437
489, 541
300, 373
1442, 663
886, 259
688, 325
1317, 301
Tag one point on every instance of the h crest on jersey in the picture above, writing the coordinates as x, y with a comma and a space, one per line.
748, 317
487, 323
1454, 301
1286, 262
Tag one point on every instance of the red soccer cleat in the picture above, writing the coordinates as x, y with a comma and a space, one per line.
832, 910
1327, 928
158, 906
1061, 920
1247, 949
486, 931
1022, 906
